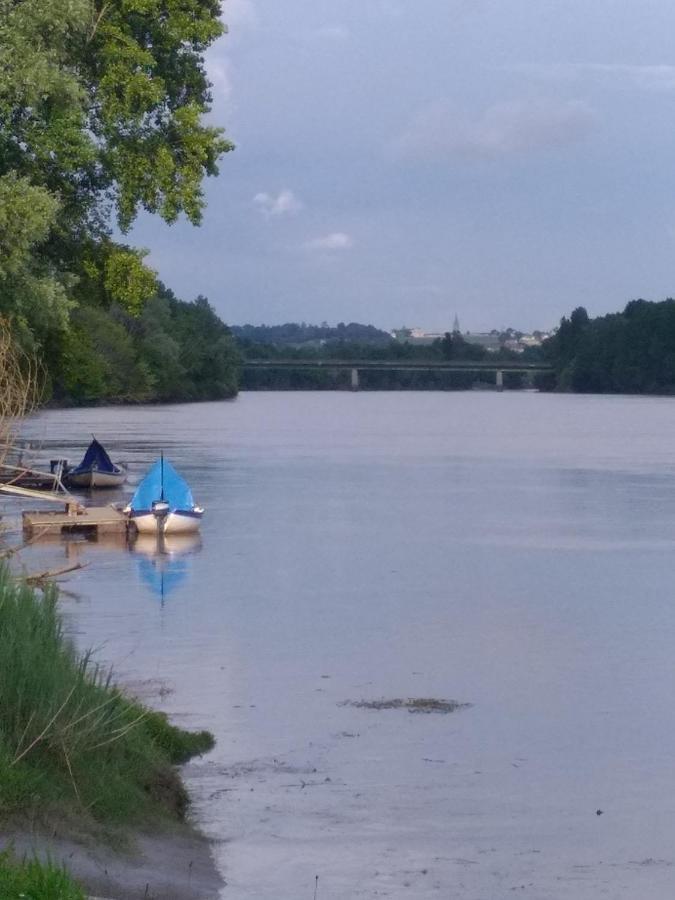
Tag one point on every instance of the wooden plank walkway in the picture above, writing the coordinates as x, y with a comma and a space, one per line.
99, 519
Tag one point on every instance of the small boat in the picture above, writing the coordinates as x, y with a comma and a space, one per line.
163, 503
96, 470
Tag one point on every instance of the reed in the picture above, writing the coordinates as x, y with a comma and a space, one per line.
35, 880
70, 740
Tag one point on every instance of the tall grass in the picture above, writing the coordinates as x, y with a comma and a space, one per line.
70, 741
35, 880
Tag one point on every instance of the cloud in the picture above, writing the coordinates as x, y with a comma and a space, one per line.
240, 14
505, 129
330, 33
337, 240
285, 203
389, 8
219, 71
644, 77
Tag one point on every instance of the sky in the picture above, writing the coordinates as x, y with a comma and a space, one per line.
398, 162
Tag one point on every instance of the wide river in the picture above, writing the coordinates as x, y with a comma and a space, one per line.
512, 551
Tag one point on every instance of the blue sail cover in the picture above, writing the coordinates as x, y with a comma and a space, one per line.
164, 574
95, 458
162, 482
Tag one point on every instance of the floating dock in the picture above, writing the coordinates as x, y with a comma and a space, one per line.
76, 518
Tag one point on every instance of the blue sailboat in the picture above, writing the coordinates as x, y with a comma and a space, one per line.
163, 503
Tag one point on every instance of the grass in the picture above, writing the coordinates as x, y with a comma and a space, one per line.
33, 880
71, 743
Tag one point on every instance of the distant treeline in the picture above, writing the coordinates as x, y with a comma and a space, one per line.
630, 352
380, 347
173, 351
297, 333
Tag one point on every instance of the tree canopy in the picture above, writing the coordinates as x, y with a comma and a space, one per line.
632, 351
102, 106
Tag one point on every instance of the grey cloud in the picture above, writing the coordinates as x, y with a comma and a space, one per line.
219, 70
239, 15
646, 77
512, 127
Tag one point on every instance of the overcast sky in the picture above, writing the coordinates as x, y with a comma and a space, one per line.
400, 161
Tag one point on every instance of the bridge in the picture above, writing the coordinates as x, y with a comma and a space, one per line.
403, 365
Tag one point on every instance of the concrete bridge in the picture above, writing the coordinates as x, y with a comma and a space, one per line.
402, 365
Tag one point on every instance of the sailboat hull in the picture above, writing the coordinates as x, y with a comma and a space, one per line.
178, 521
94, 478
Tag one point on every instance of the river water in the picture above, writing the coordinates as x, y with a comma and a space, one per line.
511, 551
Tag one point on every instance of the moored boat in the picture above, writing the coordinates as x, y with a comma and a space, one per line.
96, 470
163, 503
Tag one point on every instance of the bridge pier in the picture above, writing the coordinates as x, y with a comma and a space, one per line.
355, 380
499, 381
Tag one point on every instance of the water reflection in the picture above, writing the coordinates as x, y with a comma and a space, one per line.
164, 562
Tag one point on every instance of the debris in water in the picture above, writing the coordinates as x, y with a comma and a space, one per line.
413, 705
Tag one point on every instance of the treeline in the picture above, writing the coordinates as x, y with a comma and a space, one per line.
379, 346
630, 352
172, 351
295, 334
102, 116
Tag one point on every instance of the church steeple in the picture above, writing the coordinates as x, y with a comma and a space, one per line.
455, 325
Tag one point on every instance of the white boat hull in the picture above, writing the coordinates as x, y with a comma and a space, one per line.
96, 479
176, 522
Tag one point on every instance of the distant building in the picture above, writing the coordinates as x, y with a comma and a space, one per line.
417, 336
488, 339
492, 341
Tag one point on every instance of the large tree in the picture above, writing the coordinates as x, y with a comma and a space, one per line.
102, 106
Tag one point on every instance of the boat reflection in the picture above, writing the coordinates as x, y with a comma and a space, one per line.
164, 562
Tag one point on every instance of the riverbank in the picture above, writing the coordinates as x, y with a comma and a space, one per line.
88, 775
174, 864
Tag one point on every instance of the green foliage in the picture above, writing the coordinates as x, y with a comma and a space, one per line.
30, 879
104, 99
101, 361
127, 281
143, 64
454, 347
629, 352
70, 741
175, 351
101, 112
294, 334
27, 214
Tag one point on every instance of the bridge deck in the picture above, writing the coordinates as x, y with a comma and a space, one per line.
399, 365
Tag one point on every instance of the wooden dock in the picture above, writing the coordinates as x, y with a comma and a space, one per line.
86, 519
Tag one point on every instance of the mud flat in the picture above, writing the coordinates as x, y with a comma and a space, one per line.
176, 865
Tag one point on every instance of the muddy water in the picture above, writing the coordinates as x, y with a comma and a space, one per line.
515, 552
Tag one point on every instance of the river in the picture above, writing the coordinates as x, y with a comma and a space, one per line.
509, 551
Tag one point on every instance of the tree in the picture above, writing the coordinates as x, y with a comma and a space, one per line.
454, 347
102, 107
102, 102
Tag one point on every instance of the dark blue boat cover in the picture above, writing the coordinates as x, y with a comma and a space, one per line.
95, 458
162, 481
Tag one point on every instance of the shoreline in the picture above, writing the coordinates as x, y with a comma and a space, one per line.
92, 782
175, 863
